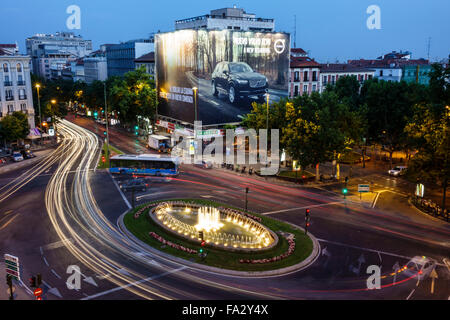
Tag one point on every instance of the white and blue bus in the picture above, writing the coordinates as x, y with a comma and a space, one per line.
145, 164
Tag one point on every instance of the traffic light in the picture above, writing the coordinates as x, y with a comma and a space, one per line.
203, 243
39, 279
136, 130
95, 114
105, 133
201, 250
103, 159
33, 282
345, 191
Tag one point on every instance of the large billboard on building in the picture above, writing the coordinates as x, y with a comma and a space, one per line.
220, 72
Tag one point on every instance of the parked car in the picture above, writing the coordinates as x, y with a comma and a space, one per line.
27, 154
17, 157
398, 171
420, 267
203, 164
238, 80
134, 185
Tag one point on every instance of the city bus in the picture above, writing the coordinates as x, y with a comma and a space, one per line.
145, 164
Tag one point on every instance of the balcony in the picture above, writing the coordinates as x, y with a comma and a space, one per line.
23, 97
21, 83
9, 98
8, 83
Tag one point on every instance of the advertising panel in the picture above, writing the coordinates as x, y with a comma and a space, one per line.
214, 76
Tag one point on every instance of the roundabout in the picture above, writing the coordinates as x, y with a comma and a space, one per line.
218, 238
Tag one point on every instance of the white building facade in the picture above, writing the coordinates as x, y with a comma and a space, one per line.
15, 86
331, 73
227, 18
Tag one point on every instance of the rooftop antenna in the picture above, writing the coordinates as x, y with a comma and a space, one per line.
295, 31
429, 46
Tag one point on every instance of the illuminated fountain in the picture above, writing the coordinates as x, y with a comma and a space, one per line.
225, 228
208, 220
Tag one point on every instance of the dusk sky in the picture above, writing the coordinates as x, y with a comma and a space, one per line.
328, 29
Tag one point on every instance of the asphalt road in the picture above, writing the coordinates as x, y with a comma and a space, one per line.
67, 215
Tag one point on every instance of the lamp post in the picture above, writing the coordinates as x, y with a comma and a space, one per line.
195, 103
267, 120
107, 128
38, 86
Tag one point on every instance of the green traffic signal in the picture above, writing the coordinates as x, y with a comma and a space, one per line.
345, 191
201, 250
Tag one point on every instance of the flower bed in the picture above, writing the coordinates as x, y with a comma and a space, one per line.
171, 244
141, 211
277, 258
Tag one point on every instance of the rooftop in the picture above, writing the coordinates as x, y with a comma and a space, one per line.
342, 67
149, 57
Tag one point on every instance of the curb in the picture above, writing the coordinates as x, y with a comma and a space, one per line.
224, 272
425, 214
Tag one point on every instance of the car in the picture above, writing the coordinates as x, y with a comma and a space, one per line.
3, 161
134, 185
398, 171
238, 80
203, 164
421, 267
17, 156
27, 154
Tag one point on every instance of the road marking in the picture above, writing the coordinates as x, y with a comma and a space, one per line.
46, 262
410, 294
374, 203
58, 244
41, 250
133, 284
301, 208
57, 275
120, 191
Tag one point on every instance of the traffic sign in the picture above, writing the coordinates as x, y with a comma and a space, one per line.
37, 292
363, 187
12, 266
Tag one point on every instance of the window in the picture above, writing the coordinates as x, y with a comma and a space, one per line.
325, 78
295, 91
5, 67
314, 76
19, 68
381, 73
314, 88
23, 106
10, 108
333, 79
296, 76
305, 76
305, 88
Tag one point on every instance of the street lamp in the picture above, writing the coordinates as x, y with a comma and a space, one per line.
195, 102
38, 86
267, 120
107, 127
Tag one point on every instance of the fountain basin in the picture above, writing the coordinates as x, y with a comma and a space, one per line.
222, 228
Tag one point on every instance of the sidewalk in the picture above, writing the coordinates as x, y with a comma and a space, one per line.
10, 166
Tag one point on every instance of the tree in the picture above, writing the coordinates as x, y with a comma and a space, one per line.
133, 96
431, 132
14, 127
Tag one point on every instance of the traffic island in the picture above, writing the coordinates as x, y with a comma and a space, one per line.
220, 238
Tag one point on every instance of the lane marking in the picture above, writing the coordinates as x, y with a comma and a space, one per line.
133, 284
57, 275
120, 191
306, 207
410, 294
370, 250
46, 262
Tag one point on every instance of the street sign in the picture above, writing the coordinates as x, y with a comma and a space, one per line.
420, 190
12, 266
363, 188
37, 292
